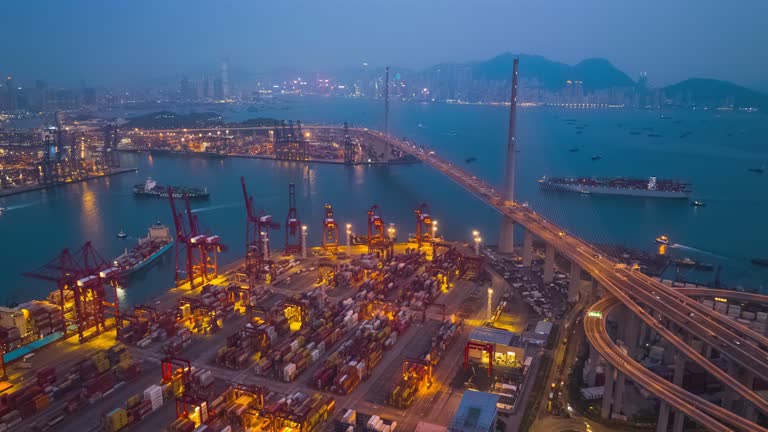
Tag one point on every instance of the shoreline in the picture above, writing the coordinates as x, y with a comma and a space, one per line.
263, 157
25, 189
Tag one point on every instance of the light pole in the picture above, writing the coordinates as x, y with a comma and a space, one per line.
304, 241
349, 239
490, 303
434, 229
392, 232
476, 237
265, 240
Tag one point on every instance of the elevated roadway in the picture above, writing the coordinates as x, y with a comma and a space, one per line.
638, 292
692, 405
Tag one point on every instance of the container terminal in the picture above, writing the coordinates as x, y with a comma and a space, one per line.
368, 336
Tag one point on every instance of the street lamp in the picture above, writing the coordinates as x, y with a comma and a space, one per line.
349, 239
304, 241
392, 232
265, 239
490, 303
434, 229
476, 237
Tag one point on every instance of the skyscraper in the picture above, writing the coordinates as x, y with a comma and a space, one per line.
225, 90
11, 92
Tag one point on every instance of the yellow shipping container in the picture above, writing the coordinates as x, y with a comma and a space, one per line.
125, 357
134, 400
116, 420
102, 365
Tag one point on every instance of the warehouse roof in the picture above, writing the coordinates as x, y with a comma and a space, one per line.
495, 336
477, 412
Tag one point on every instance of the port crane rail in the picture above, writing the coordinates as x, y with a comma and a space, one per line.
744, 346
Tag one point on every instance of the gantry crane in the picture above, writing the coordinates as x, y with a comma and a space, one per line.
423, 225
86, 274
293, 231
257, 228
330, 238
199, 251
378, 242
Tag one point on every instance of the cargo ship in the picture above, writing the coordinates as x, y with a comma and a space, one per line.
651, 188
157, 242
150, 188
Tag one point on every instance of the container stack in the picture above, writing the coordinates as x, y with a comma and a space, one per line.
154, 394
115, 420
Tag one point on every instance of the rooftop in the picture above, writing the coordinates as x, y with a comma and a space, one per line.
495, 336
477, 412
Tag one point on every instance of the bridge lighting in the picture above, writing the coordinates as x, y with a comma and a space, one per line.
595, 314
721, 300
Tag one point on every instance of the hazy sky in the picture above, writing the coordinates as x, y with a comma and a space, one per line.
108, 41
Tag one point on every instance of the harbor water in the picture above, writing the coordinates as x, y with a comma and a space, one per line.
711, 150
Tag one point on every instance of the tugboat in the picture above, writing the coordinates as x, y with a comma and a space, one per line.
663, 239
122, 234
698, 203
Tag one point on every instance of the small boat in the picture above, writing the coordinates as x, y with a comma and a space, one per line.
760, 262
470, 159
759, 170
654, 135
663, 239
685, 262
635, 132
2, 210
122, 234
574, 150
596, 157
665, 117
698, 203
421, 126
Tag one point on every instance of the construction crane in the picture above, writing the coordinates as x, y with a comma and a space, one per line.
423, 225
330, 238
378, 242
293, 231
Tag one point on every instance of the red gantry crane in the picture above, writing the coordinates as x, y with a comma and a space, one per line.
330, 239
378, 242
293, 231
199, 251
85, 274
423, 225
257, 228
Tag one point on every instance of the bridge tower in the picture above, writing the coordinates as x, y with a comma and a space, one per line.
506, 241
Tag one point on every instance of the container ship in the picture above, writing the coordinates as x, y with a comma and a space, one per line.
157, 242
150, 188
651, 187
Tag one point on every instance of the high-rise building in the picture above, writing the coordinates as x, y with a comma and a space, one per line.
11, 92
225, 90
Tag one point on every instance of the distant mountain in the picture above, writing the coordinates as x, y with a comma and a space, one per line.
595, 73
714, 92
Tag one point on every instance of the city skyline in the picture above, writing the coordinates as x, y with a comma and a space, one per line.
667, 46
